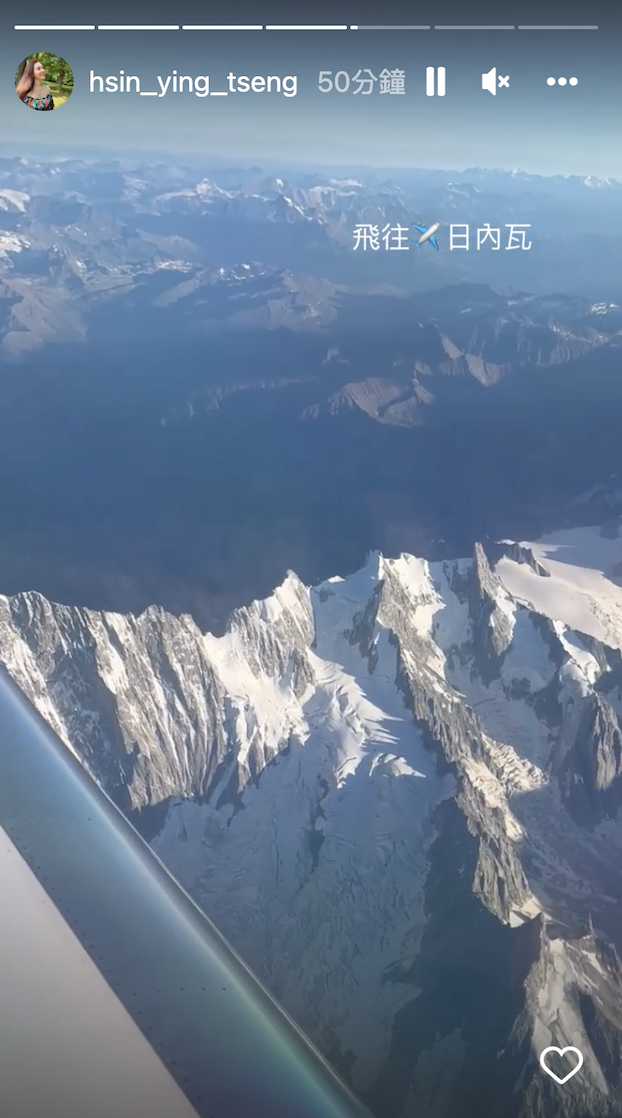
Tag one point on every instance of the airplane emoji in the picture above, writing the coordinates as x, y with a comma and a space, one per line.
427, 234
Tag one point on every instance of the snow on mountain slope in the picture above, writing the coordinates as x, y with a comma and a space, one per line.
9, 242
16, 200
375, 784
347, 812
582, 591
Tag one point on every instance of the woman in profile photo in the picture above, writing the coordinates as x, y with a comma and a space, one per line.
31, 88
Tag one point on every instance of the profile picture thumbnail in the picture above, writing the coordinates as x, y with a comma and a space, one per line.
44, 81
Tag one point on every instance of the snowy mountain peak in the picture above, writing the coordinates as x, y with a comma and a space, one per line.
599, 184
364, 781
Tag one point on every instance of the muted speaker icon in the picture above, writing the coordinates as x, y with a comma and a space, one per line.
491, 82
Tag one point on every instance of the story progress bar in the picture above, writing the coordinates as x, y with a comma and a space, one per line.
299, 27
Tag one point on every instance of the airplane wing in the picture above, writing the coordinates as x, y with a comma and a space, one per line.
419, 228
433, 241
119, 997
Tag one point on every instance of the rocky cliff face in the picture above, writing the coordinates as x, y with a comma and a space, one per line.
397, 796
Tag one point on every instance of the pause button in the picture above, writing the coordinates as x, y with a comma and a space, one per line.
435, 81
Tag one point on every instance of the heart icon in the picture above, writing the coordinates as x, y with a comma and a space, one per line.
561, 1052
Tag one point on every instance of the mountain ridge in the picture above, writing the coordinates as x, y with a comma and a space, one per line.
378, 783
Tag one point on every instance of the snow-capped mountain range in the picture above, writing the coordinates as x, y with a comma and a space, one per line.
397, 795
75, 234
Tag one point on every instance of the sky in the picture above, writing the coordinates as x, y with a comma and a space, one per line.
528, 124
